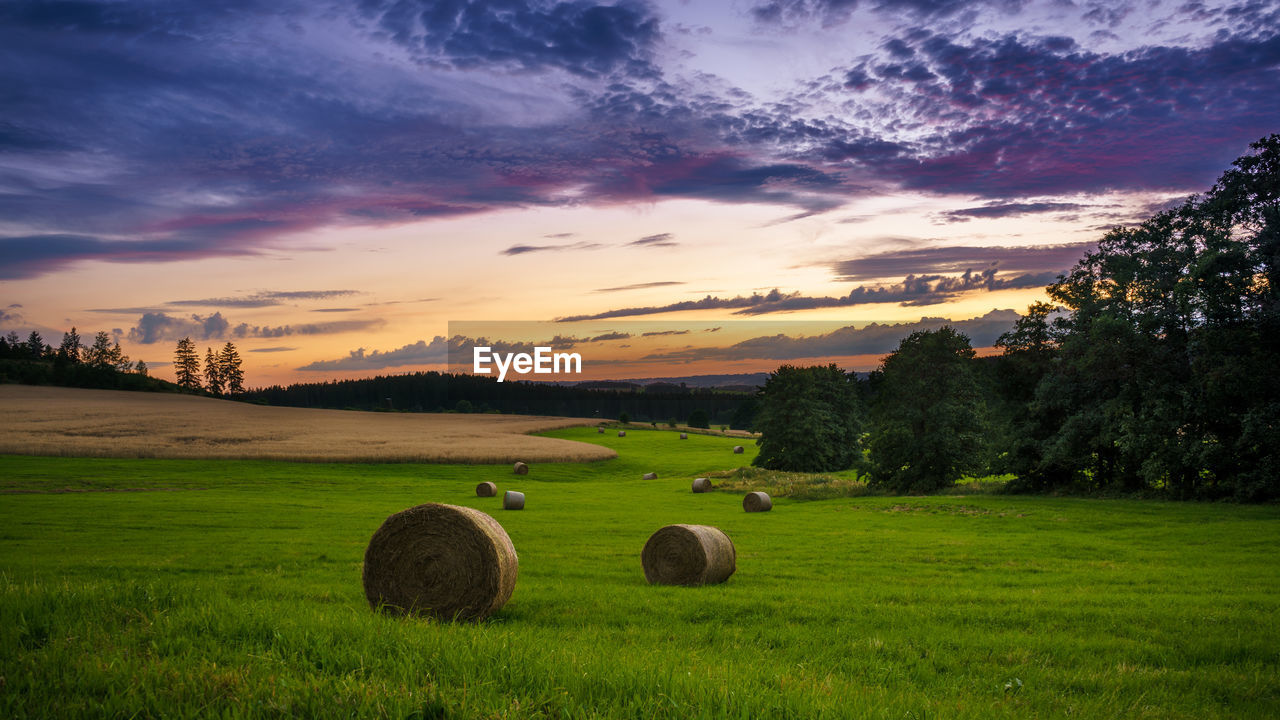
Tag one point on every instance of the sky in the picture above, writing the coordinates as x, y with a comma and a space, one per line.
329, 185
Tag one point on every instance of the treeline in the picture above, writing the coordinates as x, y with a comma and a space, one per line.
442, 392
1153, 372
101, 365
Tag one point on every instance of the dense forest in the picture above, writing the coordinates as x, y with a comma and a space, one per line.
437, 392
1153, 371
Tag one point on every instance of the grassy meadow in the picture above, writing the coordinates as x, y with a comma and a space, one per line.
231, 588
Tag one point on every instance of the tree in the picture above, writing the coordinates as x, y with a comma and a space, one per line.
36, 348
810, 420
624, 418
744, 417
699, 419
70, 348
119, 360
99, 353
1164, 374
186, 364
927, 418
229, 368
140, 368
212, 372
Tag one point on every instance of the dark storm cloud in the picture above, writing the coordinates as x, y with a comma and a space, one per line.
584, 38
873, 339
1036, 116
33, 255
150, 132
1035, 259
837, 11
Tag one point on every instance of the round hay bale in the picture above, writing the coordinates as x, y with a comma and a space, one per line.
684, 436
737, 449
486, 489
521, 469
651, 476
701, 485
622, 433
512, 500
757, 502
688, 555
442, 561
599, 431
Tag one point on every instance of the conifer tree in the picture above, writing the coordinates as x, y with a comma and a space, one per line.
229, 368
70, 348
99, 354
213, 379
186, 364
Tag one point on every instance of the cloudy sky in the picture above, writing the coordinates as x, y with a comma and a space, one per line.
329, 184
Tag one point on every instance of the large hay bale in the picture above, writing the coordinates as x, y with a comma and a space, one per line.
688, 555
737, 450
651, 476
521, 469
622, 433
512, 500
486, 489
701, 485
442, 561
757, 502
684, 436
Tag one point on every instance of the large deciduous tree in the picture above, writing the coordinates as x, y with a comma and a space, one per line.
810, 420
927, 417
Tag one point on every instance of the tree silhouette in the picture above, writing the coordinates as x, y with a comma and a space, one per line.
70, 348
213, 378
186, 364
927, 424
229, 369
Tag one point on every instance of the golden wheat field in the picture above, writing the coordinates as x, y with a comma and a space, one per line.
111, 423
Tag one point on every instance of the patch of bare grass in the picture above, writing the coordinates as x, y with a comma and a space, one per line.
110, 423
795, 485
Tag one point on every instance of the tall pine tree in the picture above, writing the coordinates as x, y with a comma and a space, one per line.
229, 368
186, 364
213, 379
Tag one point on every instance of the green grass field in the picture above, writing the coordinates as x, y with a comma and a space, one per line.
229, 589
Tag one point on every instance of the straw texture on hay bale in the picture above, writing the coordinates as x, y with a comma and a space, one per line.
701, 485
651, 476
486, 489
441, 561
521, 468
512, 500
622, 433
737, 449
688, 555
757, 502
684, 436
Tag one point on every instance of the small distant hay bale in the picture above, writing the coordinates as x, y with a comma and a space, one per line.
701, 485
521, 468
622, 433
651, 476
684, 436
737, 449
441, 561
757, 502
486, 489
599, 431
512, 500
688, 555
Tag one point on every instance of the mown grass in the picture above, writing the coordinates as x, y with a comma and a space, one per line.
238, 594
